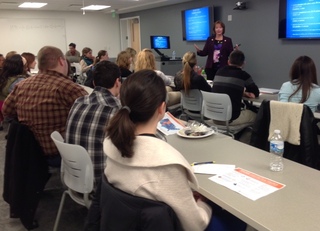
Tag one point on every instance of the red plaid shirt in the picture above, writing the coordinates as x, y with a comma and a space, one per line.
42, 102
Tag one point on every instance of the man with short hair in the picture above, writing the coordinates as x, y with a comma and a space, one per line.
42, 102
236, 83
90, 114
72, 54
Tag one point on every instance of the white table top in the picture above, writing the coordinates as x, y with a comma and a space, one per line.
295, 207
262, 97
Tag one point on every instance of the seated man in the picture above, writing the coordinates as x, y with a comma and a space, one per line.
235, 82
42, 102
72, 54
90, 114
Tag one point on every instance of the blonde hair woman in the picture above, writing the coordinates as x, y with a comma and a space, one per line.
124, 60
188, 78
146, 60
133, 54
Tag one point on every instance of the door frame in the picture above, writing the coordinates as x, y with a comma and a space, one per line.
126, 32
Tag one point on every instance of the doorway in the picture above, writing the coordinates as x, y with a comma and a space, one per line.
130, 33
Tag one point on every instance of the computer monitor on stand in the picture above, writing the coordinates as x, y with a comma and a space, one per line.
160, 42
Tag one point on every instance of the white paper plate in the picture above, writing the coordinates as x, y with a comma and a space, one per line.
182, 133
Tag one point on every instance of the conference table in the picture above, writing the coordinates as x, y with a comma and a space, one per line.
263, 96
294, 207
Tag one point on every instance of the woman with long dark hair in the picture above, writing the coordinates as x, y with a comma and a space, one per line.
12, 73
303, 85
141, 164
31, 62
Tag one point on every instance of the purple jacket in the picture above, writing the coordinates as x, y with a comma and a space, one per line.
225, 51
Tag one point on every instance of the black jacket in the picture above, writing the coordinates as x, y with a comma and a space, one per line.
306, 153
115, 210
25, 174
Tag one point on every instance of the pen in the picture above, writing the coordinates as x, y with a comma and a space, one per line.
206, 162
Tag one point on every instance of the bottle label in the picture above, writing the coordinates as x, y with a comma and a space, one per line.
276, 147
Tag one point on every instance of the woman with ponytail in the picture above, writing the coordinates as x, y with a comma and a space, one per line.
143, 165
188, 78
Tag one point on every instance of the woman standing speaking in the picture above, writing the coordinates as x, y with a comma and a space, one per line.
218, 48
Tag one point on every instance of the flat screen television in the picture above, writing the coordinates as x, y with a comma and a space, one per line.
197, 23
160, 42
299, 19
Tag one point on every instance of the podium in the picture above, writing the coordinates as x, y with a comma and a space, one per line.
169, 66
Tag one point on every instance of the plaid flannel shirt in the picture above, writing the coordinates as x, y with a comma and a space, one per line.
42, 102
87, 122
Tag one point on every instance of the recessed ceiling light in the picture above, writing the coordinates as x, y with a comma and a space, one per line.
95, 7
32, 5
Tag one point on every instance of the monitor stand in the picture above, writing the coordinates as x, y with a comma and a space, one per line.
162, 56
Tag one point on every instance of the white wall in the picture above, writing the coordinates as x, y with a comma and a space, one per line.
96, 30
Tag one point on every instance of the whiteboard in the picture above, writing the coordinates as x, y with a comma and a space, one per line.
29, 35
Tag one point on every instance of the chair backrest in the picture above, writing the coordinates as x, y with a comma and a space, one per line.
76, 165
192, 100
135, 213
77, 66
216, 106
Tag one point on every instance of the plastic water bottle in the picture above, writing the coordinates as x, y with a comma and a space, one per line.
203, 73
276, 150
173, 54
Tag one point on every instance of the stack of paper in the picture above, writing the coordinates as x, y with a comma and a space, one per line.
212, 168
269, 90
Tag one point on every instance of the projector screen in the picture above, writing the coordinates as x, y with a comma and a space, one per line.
197, 23
299, 19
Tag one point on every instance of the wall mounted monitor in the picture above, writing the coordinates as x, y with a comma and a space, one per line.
299, 19
160, 42
197, 23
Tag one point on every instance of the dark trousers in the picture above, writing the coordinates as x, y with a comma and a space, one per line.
211, 72
222, 220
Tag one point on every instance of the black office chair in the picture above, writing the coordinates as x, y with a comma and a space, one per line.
115, 210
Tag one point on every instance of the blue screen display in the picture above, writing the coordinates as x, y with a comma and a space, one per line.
301, 19
160, 42
197, 24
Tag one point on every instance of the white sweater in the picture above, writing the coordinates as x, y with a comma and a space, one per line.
158, 172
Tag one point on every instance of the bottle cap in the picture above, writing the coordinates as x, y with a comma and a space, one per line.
277, 131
